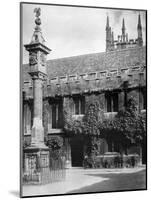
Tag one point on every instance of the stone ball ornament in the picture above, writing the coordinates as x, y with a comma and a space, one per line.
38, 13
38, 21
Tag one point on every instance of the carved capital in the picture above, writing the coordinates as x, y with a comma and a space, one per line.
38, 75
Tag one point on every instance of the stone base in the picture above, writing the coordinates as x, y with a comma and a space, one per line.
36, 165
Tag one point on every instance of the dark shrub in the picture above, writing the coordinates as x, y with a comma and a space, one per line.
88, 162
131, 160
111, 159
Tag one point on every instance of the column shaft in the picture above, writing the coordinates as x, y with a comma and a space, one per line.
37, 129
37, 98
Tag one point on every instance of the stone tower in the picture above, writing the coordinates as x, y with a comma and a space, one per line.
139, 32
37, 154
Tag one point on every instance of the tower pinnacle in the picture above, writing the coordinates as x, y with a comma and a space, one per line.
108, 35
107, 23
123, 27
139, 26
139, 31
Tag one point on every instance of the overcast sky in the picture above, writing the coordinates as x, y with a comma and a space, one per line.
71, 31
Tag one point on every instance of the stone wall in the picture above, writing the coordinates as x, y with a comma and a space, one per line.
68, 105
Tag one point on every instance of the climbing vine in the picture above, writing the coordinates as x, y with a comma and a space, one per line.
127, 128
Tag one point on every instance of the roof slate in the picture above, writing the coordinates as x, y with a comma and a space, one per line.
93, 62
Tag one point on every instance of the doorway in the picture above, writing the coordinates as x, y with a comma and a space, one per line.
77, 147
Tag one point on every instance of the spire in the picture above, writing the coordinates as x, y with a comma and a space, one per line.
107, 23
139, 26
108, 35
123, 27
37, 35
139, 31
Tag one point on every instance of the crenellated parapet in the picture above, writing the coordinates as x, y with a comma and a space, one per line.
106, 80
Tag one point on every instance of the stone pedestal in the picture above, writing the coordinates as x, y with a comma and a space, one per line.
36, 165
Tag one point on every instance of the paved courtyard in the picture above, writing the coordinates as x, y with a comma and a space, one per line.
92, 180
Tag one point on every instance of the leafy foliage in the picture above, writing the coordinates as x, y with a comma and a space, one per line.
55, 144
72, 126
90, 128
91, 119
127, 128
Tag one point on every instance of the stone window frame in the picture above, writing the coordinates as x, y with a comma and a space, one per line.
55, 107
111, 102
79, 105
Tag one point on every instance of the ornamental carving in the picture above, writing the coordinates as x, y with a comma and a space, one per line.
33, 58
43, 59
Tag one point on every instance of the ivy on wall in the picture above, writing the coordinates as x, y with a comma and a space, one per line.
127, 128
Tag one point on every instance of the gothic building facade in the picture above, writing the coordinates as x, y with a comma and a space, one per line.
71, 82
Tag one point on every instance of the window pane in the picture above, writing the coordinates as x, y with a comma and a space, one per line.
108, 103
83, 105
60, 115
76, 102
54, 116
115, 102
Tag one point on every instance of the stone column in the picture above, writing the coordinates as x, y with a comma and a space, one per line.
37, 135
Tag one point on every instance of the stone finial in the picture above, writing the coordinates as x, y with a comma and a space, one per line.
37, 35
38, 13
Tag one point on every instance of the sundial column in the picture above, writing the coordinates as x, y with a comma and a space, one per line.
37, 154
